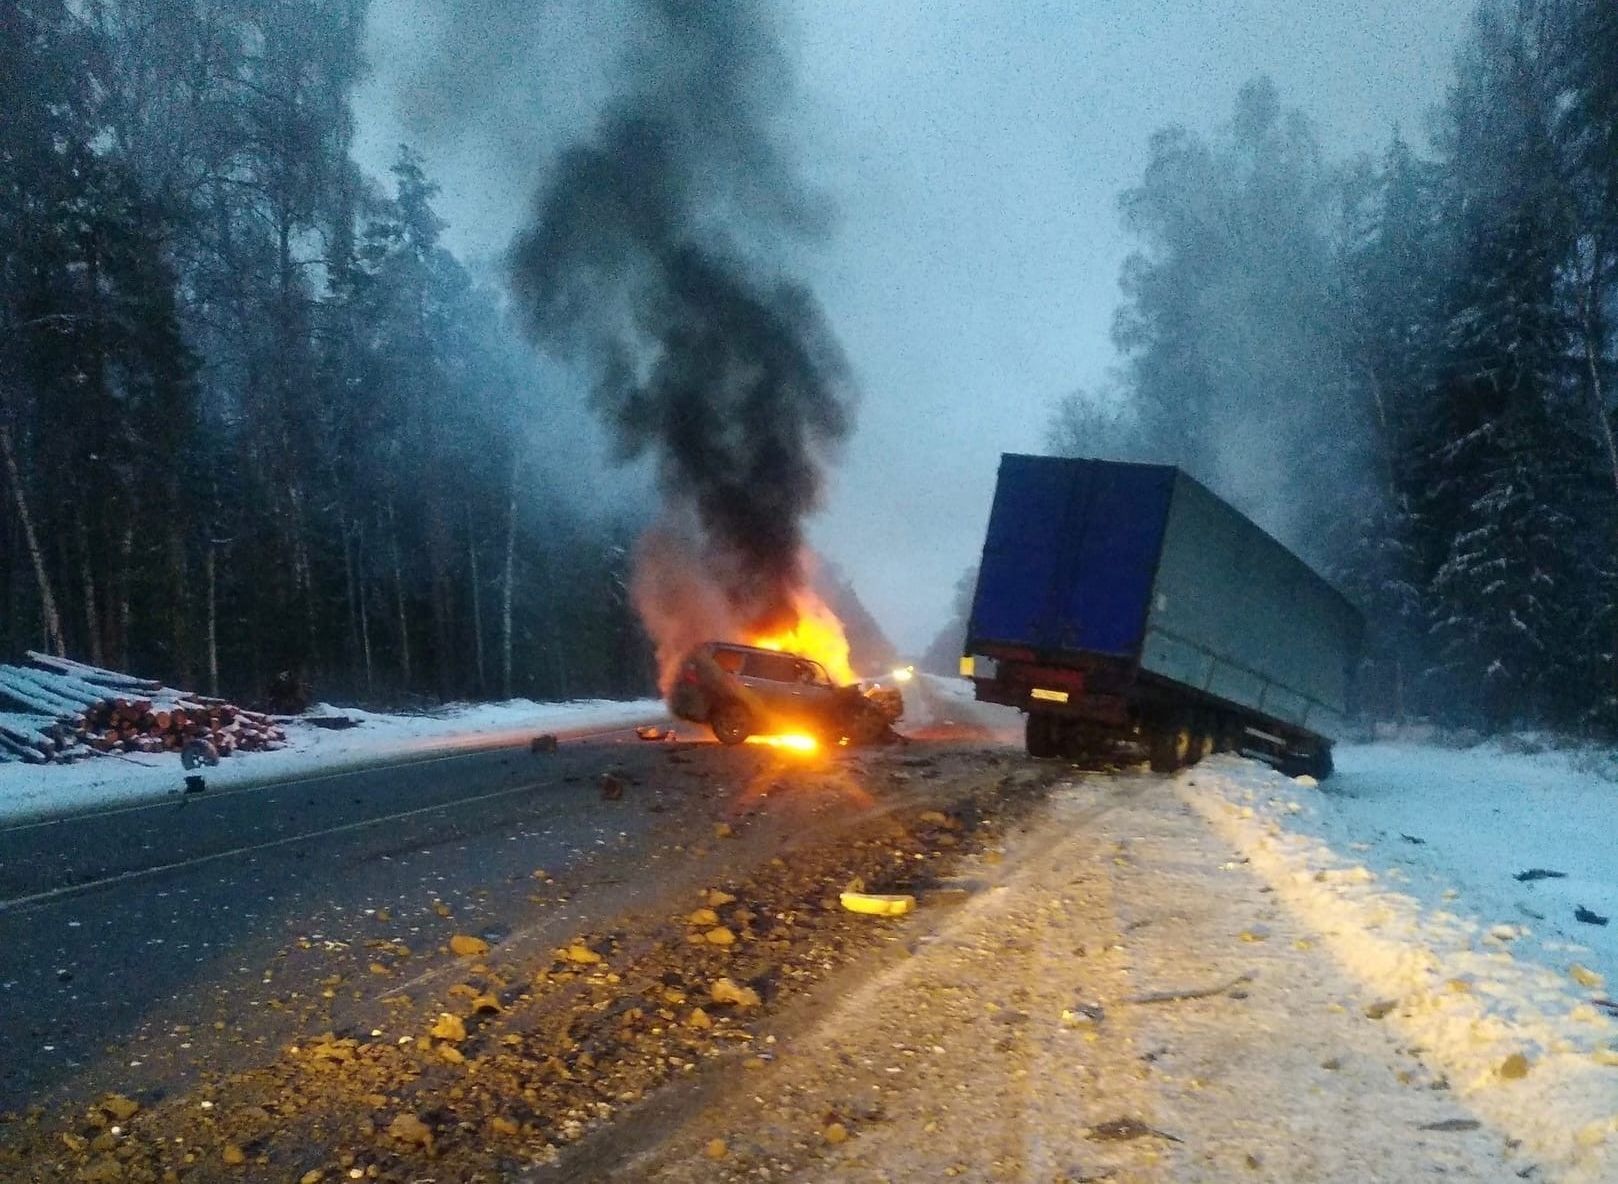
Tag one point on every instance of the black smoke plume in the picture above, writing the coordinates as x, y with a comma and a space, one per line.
655, 258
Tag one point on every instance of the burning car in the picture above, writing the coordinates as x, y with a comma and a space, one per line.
743, 691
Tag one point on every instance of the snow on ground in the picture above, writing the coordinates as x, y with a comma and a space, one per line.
37, 791
1480, 971
1483, 817
1105, 997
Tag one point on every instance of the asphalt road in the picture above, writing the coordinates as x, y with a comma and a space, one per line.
127, 935
146, 946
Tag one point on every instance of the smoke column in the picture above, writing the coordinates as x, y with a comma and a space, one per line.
653, 257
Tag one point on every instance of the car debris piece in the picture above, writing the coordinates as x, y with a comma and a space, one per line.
197, 753
878, 904
652, 732
1121, 1130
1194, 992
331, 723
1589, 918
612, 787
542, 745
196, 783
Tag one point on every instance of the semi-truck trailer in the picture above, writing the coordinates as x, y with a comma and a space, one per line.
1120, 601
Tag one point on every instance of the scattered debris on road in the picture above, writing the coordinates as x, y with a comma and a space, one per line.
1193, 992
1538, 873
1122, 1130
544, 1047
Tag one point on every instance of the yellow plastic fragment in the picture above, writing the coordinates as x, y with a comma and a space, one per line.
878, 905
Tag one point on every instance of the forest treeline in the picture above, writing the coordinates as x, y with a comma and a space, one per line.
254, 417
1404, 367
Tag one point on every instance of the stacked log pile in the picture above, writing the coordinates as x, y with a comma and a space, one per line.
55, 709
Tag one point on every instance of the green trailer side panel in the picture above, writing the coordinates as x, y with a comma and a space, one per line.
1238, 616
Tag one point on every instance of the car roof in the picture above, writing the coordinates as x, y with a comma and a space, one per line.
754, 649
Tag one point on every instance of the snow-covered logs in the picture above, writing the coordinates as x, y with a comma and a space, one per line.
55, 709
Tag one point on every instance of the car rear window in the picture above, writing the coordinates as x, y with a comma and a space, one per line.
772, 667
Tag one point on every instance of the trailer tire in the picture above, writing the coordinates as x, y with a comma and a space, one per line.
1163, 750
1039, 736
1319, 763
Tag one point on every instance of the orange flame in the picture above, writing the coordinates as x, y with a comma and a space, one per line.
792, 742
817, 634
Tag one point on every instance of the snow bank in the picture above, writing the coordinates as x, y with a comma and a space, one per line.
34, 791
1504, 1011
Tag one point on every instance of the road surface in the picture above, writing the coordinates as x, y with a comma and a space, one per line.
489, 968
120, 924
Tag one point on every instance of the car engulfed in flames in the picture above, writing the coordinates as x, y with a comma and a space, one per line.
768, 694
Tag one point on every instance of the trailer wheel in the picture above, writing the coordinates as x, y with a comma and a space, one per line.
1164, 750
1039, 736
1318, 764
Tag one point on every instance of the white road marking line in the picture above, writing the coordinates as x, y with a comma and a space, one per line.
141, 873
259, 787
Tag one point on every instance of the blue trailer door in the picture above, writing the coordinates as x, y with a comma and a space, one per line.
1113, 537
1070, 554
1021, 553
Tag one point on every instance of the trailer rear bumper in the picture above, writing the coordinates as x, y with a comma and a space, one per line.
1051, 690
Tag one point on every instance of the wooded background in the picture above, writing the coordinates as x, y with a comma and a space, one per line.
254, 417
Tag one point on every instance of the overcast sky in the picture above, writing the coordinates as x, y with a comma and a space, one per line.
975, 150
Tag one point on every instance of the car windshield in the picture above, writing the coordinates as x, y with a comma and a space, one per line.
812, 673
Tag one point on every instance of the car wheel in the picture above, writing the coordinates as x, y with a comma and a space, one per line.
731, 724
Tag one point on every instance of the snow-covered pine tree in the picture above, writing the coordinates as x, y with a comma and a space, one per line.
1389, 326
1585, 72
1504, 466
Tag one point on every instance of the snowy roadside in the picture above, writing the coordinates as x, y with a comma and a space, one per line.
1105, 997
38, 791
1464, 825
1404, 867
